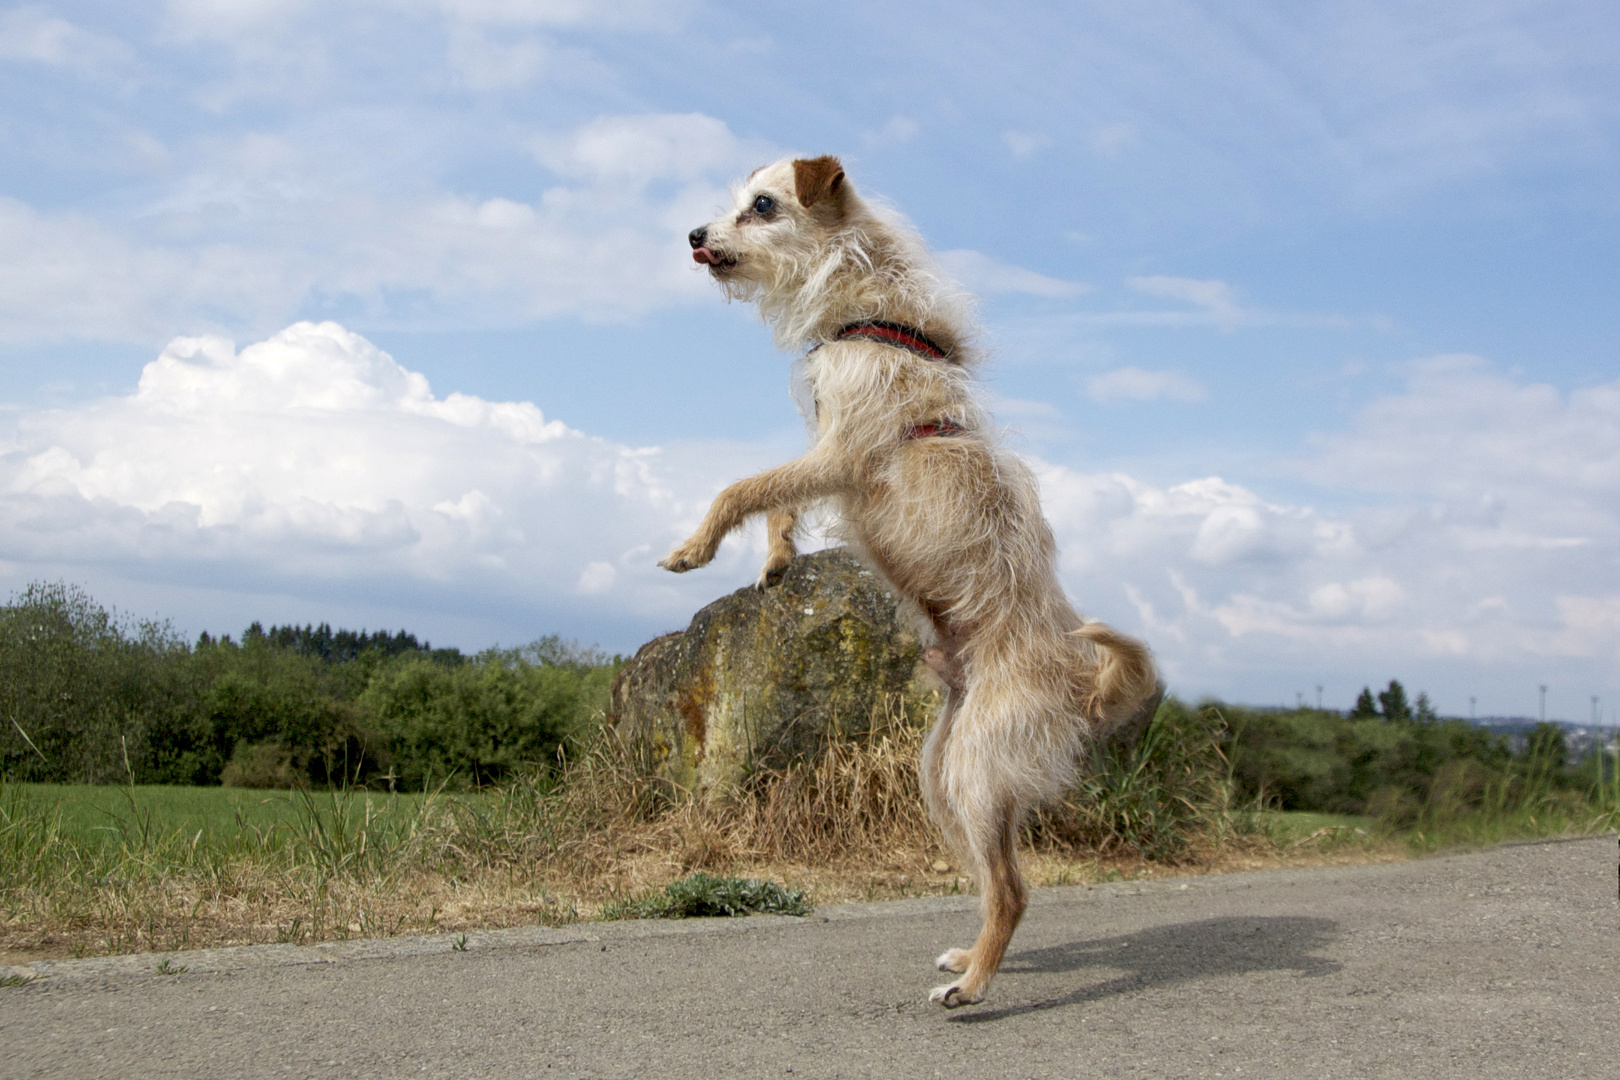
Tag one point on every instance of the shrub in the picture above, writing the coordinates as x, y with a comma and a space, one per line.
703, 896
83, 691
482, 721
1311, 760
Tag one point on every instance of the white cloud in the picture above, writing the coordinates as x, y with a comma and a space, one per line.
313, 457
1136, 384
899, 129
642, 148
1208, 303
30, 34
66, 275
1025, 144
1508, 446
1214, 299
1481, 517
982, 274
328, 224
1112, 140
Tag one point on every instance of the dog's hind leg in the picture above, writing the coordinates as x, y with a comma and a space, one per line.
1002, 899
779, 526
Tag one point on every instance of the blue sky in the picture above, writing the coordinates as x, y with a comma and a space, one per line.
1304, 312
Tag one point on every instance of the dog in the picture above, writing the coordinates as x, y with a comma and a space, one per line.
904, 452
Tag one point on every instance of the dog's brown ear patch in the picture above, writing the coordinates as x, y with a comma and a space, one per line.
815, 179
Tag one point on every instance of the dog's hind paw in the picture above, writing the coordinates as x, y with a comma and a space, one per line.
953, 960
953, 995
770, 577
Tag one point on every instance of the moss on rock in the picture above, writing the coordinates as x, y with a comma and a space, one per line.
761, 678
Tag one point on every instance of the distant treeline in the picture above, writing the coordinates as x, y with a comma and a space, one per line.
87, 697
1390, 761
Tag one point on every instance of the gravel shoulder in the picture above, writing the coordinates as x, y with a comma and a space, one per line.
1504, 963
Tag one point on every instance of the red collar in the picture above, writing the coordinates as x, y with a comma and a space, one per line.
893, 334
938, 427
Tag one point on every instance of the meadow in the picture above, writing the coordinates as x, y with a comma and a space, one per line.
485, 791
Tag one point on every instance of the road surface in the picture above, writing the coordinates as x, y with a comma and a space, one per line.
1504, 963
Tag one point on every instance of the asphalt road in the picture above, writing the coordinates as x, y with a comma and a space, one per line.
1499, 964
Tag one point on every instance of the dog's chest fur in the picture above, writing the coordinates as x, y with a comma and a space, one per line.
866, 395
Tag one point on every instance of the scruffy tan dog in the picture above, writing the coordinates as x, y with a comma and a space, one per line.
908, 458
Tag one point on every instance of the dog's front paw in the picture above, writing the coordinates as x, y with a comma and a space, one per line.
689, 556
954, 960
953, 995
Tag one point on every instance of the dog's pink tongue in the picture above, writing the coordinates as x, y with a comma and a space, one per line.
704, 255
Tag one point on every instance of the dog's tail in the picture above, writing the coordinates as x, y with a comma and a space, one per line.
1125, 689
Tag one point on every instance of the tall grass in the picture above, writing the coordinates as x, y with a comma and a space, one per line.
1468, 806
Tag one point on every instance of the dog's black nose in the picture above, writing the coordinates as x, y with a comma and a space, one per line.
697, 236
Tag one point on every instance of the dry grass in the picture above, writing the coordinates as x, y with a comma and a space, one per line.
848, 826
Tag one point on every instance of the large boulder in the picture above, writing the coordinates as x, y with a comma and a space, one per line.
762, 677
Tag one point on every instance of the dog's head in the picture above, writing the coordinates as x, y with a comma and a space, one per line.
783, 219
816, 257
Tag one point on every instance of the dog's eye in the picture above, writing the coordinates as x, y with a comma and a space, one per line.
764, 205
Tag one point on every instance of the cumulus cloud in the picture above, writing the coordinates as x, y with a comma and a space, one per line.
314, 457
1478, 519
1136, 384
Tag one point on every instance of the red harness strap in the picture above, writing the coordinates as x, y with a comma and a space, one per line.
914, 340
888, 333
938, 427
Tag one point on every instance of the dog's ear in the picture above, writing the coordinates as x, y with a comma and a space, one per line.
817, 179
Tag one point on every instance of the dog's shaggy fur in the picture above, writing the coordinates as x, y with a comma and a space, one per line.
907, 456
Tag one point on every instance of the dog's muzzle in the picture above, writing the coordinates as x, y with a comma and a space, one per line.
701, 253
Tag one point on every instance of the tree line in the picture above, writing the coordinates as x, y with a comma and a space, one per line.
87, 696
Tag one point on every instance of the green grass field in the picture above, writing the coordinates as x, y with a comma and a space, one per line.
91, 813
106, 814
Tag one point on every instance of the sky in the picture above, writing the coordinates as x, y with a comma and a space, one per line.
381, 313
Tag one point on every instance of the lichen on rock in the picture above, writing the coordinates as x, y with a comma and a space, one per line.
762, 677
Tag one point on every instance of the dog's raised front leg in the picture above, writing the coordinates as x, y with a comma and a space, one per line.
806, 480
779, 525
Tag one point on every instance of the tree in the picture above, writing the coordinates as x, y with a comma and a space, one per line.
1424, 711
1365, 708
1392, 704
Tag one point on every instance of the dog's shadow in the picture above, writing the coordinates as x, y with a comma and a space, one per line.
1171, 954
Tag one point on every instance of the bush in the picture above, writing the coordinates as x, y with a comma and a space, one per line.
87, 697
1312, 760
483, 721
82, 691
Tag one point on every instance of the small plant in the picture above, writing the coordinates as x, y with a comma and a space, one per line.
168, 967
460, 944
17, 980
703, 896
